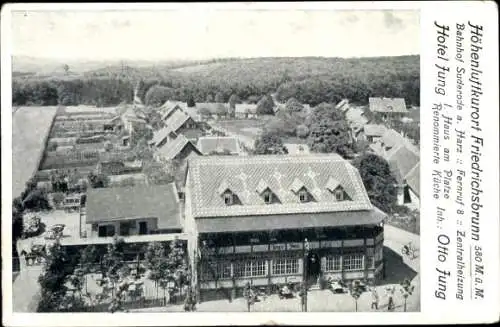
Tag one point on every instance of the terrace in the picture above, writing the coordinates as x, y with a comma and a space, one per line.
77, 232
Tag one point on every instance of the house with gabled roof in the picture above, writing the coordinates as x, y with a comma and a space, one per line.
295, 149
212, 110
245, 110
181, 123
178, 149
404, 164
133, 121
343, 105
373, 132
252, 217
169, 107
388, 108
210, 145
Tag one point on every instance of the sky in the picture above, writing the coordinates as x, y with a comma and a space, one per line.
202, 34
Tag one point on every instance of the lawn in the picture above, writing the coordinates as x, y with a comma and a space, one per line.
30, 128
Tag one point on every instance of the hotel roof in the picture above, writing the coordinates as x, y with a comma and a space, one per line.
242, 175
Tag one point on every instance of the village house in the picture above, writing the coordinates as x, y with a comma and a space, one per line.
245, 110
138, 210
388, 108
403, 158
181, 123
209, 110
170, 107
132, 121
252, 218
297, 149
355, 118
162, 137
179, 149
343, 105
209, 145
404, 165
390, 140
372, 132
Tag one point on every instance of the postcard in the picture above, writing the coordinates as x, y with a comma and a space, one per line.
250, 163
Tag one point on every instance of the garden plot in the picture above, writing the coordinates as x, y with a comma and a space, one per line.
30, 129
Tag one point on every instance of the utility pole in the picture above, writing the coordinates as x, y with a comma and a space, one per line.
304, 275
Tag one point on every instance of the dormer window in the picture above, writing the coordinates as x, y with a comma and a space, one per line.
268, 197
228, 198
336, 189
339, 194
265, 192
225, 192
300, 190
303, 196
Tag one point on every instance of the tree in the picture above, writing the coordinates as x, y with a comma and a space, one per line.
190, 101
37, 200
156, 262
57, 268
167, 266
328, 136
269, 143
66, 69
265, 105
329, 131
17, 225
293, 105
233, 100
157, 95
98, 180
178, 269
406, 290
157, 174
378, 180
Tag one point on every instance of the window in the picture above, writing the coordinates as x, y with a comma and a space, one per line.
352, 262
339, 195
371, 262
333, 263
285, 266
228, 199
221, 270
252, 268
303, 196
268, 197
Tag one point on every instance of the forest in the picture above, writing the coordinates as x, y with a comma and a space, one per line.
309, 80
